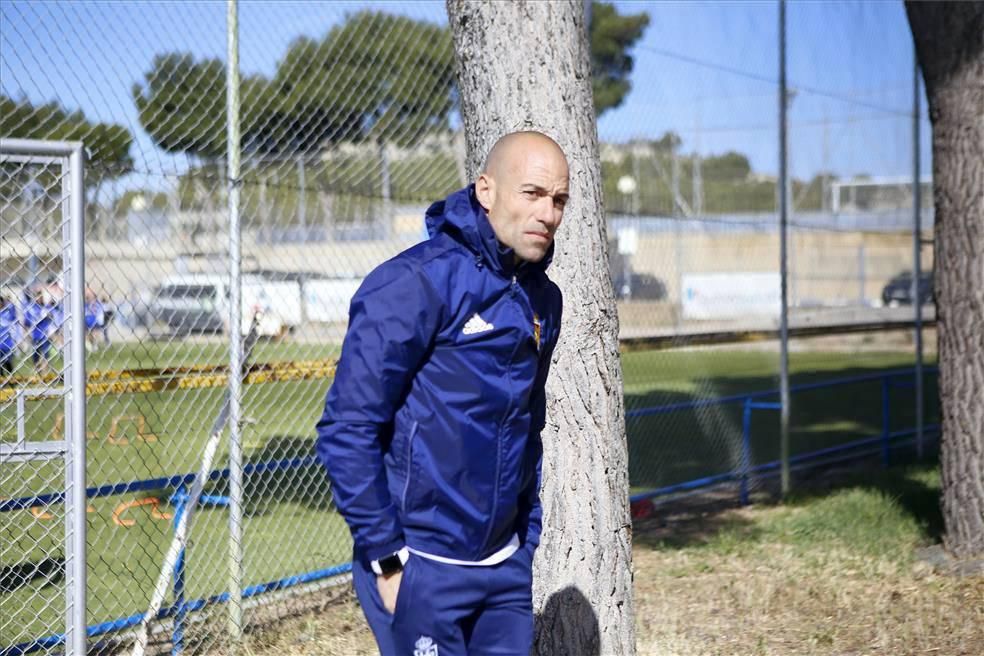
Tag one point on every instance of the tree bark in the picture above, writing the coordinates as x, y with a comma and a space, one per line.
949, 38
524, 65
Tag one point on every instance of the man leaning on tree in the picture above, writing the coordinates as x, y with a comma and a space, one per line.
431, 429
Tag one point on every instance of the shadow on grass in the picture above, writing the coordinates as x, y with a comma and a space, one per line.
673, 528
304, 484
42, 573
901, 483
709, 518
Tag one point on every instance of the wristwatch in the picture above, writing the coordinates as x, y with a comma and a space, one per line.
391, 564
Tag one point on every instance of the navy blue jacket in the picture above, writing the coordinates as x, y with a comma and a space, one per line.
8, 327
38, 319
431, 429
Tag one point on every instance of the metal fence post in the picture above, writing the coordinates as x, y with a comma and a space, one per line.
862, 277
746, 450
301, 197
235, 332
783, 219
180, 498
886, 434
75, 435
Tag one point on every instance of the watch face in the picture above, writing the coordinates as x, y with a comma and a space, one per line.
391, 564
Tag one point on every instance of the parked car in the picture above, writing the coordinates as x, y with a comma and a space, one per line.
898, 290
197, 303
639, 286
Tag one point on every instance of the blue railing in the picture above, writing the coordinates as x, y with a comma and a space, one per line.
743, 471
742, 474
181, 607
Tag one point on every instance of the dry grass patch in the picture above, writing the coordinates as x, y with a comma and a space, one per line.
832, 572
783, 599
336, 628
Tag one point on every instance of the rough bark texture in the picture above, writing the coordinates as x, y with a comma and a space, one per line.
524, 65
949, 41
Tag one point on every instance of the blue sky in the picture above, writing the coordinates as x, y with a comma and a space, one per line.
705, 70
709, 71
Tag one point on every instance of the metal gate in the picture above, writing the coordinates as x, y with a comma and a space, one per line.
42, 397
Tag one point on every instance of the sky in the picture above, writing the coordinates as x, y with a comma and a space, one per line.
705, 70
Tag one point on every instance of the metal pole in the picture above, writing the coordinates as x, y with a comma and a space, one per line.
235, 333
784, 309
678, 265
75, 497
886, 435
790, 209
862, 276
181, 610
302, 198
386, 190
675, 181
824, 169
917, 255
697, 179
746, 451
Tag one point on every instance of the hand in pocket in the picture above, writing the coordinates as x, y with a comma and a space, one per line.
389, 590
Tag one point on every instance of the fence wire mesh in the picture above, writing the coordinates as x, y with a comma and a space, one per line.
350, 127
690, 173
34, 364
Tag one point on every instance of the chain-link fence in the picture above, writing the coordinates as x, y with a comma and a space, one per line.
691, 173
42, 399
349, 128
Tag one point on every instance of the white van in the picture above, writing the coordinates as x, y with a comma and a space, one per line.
200, 303
324, 298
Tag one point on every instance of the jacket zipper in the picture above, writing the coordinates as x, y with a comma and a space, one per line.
498, 440
406, 482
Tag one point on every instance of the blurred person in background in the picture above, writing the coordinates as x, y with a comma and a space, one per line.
95, 320
55, 300
38, 307
431, 429
9, 330
108, 312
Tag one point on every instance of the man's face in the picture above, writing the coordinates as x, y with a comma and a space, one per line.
524, 195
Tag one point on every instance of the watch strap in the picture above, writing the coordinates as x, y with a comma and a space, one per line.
390, 564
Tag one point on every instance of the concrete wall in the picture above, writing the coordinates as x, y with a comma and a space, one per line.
828, 268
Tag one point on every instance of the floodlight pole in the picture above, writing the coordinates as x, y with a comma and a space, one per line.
783, 273
917, 253
235, 330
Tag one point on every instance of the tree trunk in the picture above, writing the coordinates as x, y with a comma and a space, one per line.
949, 40
524, 65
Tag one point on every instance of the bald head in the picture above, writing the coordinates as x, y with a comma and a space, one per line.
524, 189
509, 147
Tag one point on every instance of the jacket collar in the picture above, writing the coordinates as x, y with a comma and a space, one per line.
462, 217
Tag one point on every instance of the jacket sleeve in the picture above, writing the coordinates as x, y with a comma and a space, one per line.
393, 321
531, 511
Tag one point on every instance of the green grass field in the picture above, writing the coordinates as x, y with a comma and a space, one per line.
289, 527
680, 446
